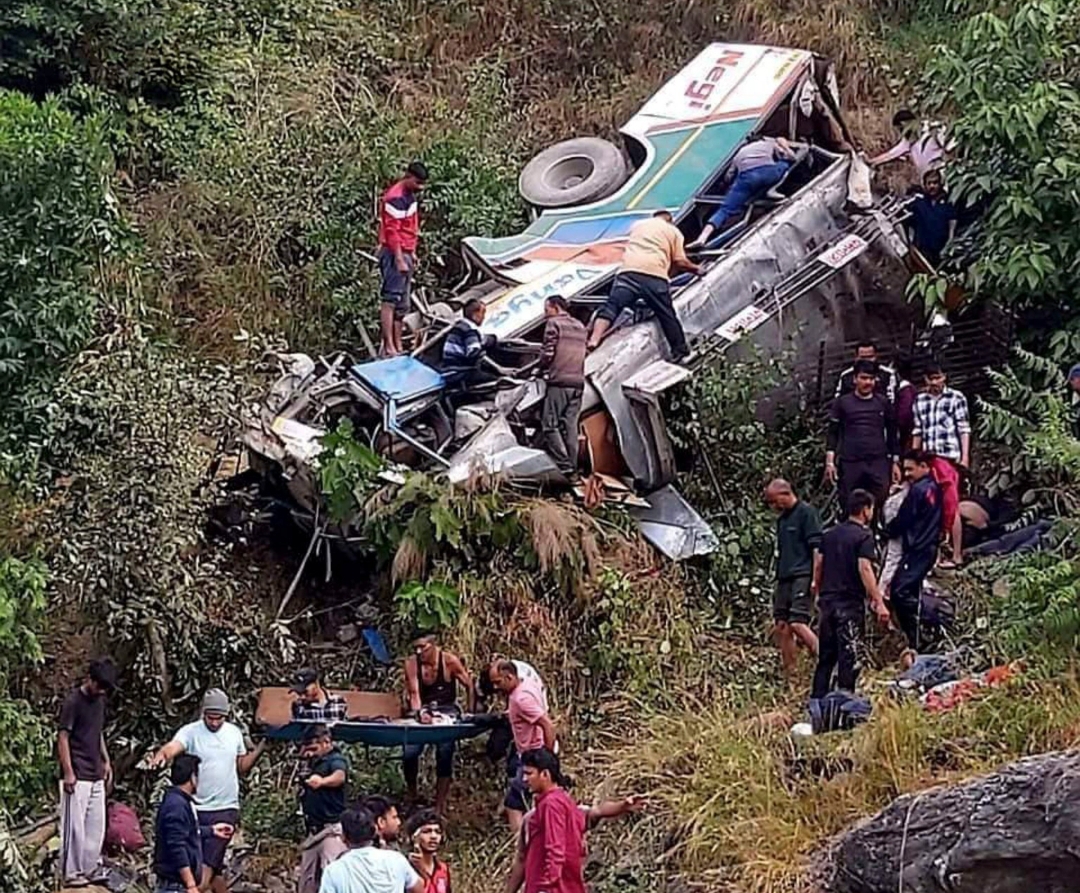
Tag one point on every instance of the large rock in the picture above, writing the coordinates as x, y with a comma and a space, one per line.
1015, 831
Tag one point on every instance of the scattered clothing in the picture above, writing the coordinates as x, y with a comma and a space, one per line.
219, 780
369, 869
940, 420
837, 710
177, 839
555, 856
1026, 539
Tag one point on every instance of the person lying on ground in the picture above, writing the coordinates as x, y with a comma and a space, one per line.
562, 366
367, 867
427, 835
862, 434
465, 347
918, 525
322, 802
532, 729
594, 815
314, 703
431, 678
224, 756
798, 535
756, 168
653, 249
399, 233
845, 582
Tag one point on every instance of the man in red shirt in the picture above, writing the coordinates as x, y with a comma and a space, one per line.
556, 829
399, 231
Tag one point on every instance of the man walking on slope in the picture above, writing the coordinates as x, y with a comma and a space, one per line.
844, 579
798, 536
86, 773
654, 247
399, 233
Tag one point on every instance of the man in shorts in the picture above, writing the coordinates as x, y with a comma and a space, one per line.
798, 536
399, 233
223, 758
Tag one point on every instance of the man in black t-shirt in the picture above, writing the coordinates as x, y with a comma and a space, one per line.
862, 430
86, 773
322, 800
844, 580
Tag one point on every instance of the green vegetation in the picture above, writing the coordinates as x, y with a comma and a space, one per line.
184, 184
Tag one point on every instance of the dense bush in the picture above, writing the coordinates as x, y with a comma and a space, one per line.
59, 230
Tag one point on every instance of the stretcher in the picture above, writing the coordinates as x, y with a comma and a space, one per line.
372, 718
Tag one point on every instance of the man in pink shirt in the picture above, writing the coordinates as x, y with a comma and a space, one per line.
532, 729
556, 832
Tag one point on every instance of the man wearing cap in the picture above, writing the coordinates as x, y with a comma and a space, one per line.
313, 702
399, 233
86, 773
223, 758
322, 800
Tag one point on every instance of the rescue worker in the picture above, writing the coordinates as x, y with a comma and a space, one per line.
562, 364
399, 233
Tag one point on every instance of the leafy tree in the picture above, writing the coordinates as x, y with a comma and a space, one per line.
1009, 82
59, 227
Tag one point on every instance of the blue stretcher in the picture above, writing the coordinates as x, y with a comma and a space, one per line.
393, 733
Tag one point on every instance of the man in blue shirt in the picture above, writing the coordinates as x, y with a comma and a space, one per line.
465, 347
918, 525
177, 838
933, 218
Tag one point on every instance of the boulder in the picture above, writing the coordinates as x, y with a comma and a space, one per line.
1016, 830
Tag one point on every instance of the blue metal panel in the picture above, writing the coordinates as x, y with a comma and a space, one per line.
399, 378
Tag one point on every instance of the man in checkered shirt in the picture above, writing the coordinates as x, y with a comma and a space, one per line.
313, 702
943, 427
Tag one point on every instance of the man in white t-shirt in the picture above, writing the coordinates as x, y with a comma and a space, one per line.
223, 758
366, 868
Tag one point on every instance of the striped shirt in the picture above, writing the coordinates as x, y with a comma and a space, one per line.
940, 421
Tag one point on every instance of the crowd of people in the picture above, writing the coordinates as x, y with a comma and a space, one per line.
352, 843
897, 454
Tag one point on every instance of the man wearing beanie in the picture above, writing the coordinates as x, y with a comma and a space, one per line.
223, 758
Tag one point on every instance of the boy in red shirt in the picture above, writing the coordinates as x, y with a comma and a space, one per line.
426, 833
399, 232
556, 830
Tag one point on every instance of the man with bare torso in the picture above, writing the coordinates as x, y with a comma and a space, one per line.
431, 678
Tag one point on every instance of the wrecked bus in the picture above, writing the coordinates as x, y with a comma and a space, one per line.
792, 268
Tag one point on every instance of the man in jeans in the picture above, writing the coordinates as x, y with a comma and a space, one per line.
798, 535
756, 168
86, 773
918, 525
177, 839
322, 800
943, 428
562, 364
399, 233
654, 248
532, 728
844, 579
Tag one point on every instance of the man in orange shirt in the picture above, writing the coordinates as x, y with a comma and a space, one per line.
654, 248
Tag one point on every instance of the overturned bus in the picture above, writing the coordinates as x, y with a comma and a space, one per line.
793, 269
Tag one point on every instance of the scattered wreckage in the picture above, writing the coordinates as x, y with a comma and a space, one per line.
788, 270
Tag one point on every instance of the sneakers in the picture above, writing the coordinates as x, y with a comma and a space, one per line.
685, 359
